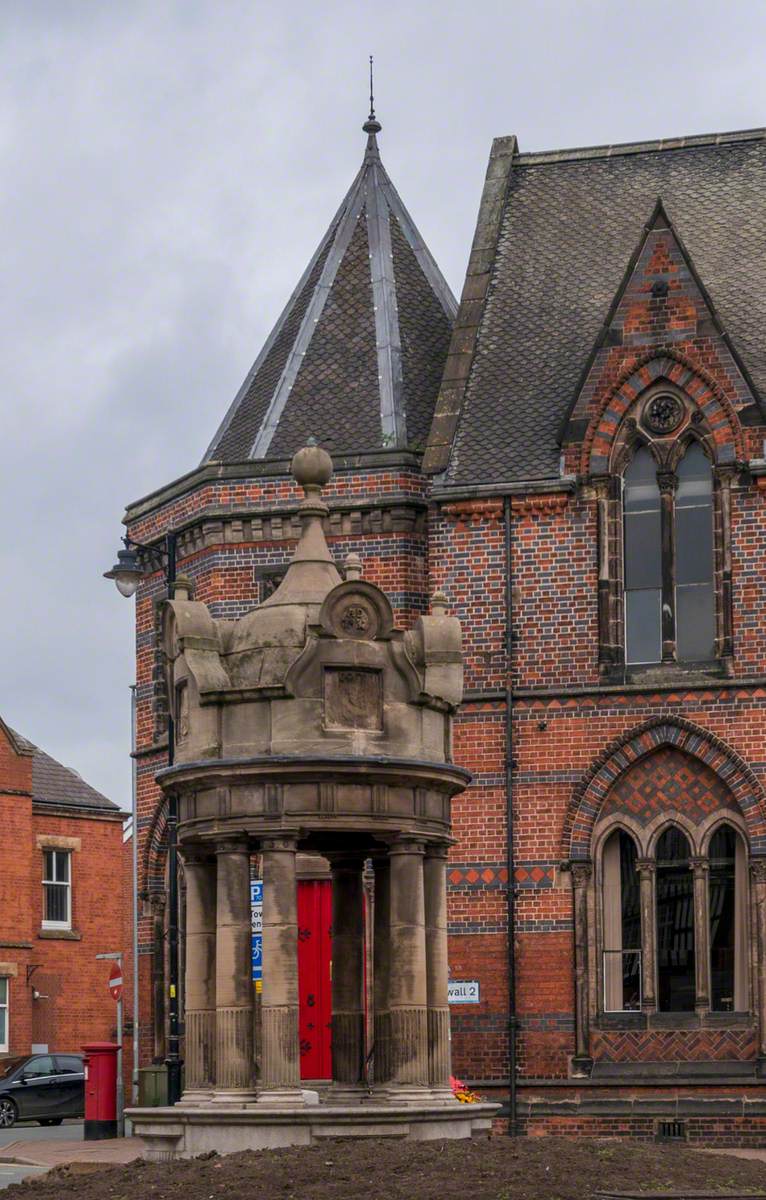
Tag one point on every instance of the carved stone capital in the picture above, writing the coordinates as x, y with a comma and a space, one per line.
667, 482
699, 865
758, 870
407, 845
437, 850
581, 873
646, 866
285, 844
233, 846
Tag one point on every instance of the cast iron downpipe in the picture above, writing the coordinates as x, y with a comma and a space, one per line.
511, 915
173, 1060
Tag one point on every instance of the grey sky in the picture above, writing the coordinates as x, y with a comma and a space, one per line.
168, 169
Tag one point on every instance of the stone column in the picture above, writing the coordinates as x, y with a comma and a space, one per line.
234, 1067
381, 969
280, 1068
437, 968
347, 975
646, 870
758, 876
582, 1062
408, 994
200, 1010
701, 869
667, 482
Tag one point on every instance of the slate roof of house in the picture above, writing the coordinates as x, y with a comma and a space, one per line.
356, 358
555, 248
53, 783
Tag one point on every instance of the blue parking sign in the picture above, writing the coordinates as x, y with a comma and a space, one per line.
256, 919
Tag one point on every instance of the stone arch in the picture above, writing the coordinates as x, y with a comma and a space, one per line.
155, 852
702, 389
589, 795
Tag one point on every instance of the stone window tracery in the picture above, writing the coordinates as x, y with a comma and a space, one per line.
673, 903
664, 547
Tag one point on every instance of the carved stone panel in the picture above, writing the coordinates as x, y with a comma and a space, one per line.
353, 699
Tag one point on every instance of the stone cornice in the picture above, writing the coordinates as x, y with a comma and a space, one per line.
224, 527
473, 512
213, 472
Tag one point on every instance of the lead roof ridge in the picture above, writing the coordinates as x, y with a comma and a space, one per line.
619, 149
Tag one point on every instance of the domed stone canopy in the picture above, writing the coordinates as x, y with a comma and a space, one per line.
318, 669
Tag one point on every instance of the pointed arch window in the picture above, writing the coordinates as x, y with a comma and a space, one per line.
676, 977
668, 555
622, 924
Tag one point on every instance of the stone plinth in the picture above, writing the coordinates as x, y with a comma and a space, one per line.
185, 1132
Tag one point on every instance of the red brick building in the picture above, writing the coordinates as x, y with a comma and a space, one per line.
574, 455
62, 902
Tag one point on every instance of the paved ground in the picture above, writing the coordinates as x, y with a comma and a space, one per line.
37, 1148
70, 1131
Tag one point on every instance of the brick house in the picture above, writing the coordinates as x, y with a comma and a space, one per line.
62, 902
574, 454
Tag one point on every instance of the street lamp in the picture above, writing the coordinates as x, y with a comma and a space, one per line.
127, 574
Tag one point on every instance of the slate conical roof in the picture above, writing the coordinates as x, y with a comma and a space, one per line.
356, 358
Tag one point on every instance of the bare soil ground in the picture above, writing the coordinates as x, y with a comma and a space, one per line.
495, 1169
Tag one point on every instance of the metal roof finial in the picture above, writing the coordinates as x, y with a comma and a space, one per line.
372, 125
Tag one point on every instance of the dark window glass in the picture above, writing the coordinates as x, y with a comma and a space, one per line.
8, 1066
675, 924
39, 1068
69, 1064
643, 560
695, 599
622, 925
56, 886
722, 915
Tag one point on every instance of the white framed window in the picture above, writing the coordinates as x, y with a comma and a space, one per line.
57, 889
4, 990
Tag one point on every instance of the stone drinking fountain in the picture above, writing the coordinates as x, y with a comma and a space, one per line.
312, 725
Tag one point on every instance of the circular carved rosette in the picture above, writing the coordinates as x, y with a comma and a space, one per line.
358, 610
663, 414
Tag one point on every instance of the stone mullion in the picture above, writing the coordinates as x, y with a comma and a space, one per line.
581, 876
667, 484
646, 868
701, 870
758, 875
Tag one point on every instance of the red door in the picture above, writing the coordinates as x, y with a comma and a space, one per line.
314, 983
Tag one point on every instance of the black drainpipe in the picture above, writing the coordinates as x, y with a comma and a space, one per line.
511, 916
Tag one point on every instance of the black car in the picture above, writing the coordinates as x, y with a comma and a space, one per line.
41, 1087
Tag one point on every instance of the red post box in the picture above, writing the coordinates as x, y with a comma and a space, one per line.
100, 1090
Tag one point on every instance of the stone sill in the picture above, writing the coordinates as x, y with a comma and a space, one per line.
64, 935
672, 1021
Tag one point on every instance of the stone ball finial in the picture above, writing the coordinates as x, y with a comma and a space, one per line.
439, 604
353, 566
311, 467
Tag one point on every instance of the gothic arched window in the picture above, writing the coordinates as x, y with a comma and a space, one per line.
727, 916
668, 559
676, 980
643, 560
622, 924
